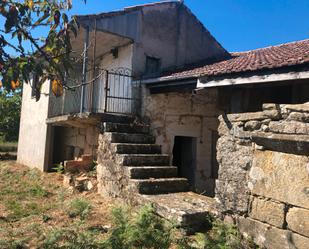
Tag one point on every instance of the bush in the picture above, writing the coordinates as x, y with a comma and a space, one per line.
144, 230
79, 207
71, 238
10, 107
222, 236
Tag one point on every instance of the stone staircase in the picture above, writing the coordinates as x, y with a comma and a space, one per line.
131, 166
147, 169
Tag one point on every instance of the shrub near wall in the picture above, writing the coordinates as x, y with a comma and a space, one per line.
10, 106
264, 176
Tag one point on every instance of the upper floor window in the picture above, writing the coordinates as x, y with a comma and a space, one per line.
152, 65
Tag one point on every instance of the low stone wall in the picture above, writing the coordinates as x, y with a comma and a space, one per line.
113, 178
263, 179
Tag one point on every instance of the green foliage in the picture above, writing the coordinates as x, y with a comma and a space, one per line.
79, 207
144, 230
46, 27
10, 106
28, 206
72, 238
222, 236
59, 168
46, 218
20, 193
8, 146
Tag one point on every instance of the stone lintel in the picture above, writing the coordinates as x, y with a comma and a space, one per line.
288, 143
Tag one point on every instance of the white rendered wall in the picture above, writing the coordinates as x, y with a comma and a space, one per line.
34, 138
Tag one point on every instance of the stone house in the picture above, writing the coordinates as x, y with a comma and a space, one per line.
165, 109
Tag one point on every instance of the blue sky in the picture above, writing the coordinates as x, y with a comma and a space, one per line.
238, 25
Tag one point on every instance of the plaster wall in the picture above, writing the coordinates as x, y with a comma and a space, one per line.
167, 31
184, 114
34, 135
120, 86
172, 34
124, 59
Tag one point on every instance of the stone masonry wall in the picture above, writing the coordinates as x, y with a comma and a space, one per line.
183, 114
264, 174
82, 140
113, 178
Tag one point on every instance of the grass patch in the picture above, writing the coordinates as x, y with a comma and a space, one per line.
79, 207
8, 146
36, 212
23, 193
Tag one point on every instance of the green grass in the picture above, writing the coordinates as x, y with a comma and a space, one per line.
37, 212
23, 193
79, 207
8, 146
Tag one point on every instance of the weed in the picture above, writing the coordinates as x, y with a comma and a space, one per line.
144, 230
20, 210
46, 218
79, 207
74, 237
59, 168
38, 191
222, 236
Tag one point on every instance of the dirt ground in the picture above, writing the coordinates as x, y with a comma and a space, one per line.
37, 211
34, 204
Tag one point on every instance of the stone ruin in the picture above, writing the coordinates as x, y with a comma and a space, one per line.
263, 178
263, 181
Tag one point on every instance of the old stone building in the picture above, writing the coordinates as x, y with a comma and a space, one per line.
168, 117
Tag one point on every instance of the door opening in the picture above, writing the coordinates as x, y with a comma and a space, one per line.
184, 157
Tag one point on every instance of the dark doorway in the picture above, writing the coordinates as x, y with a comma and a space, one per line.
58, 145
61, 152
184, 157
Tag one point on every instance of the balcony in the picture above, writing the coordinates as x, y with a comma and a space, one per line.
92, 89
105, 92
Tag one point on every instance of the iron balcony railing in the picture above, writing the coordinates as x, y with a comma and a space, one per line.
106, 91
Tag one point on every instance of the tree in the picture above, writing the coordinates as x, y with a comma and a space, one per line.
48, 57
10, 105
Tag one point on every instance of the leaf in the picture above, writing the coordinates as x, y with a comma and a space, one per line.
65, 18
57, 88
41, 19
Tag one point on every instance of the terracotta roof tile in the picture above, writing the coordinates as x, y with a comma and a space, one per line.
289, 54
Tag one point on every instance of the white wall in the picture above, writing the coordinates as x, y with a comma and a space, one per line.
34, 132
119, 86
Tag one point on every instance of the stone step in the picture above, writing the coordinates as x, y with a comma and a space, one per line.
126, 128
152, 172
143, 159
117, 118
116, 137
122, 148
188, 210
161, 186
